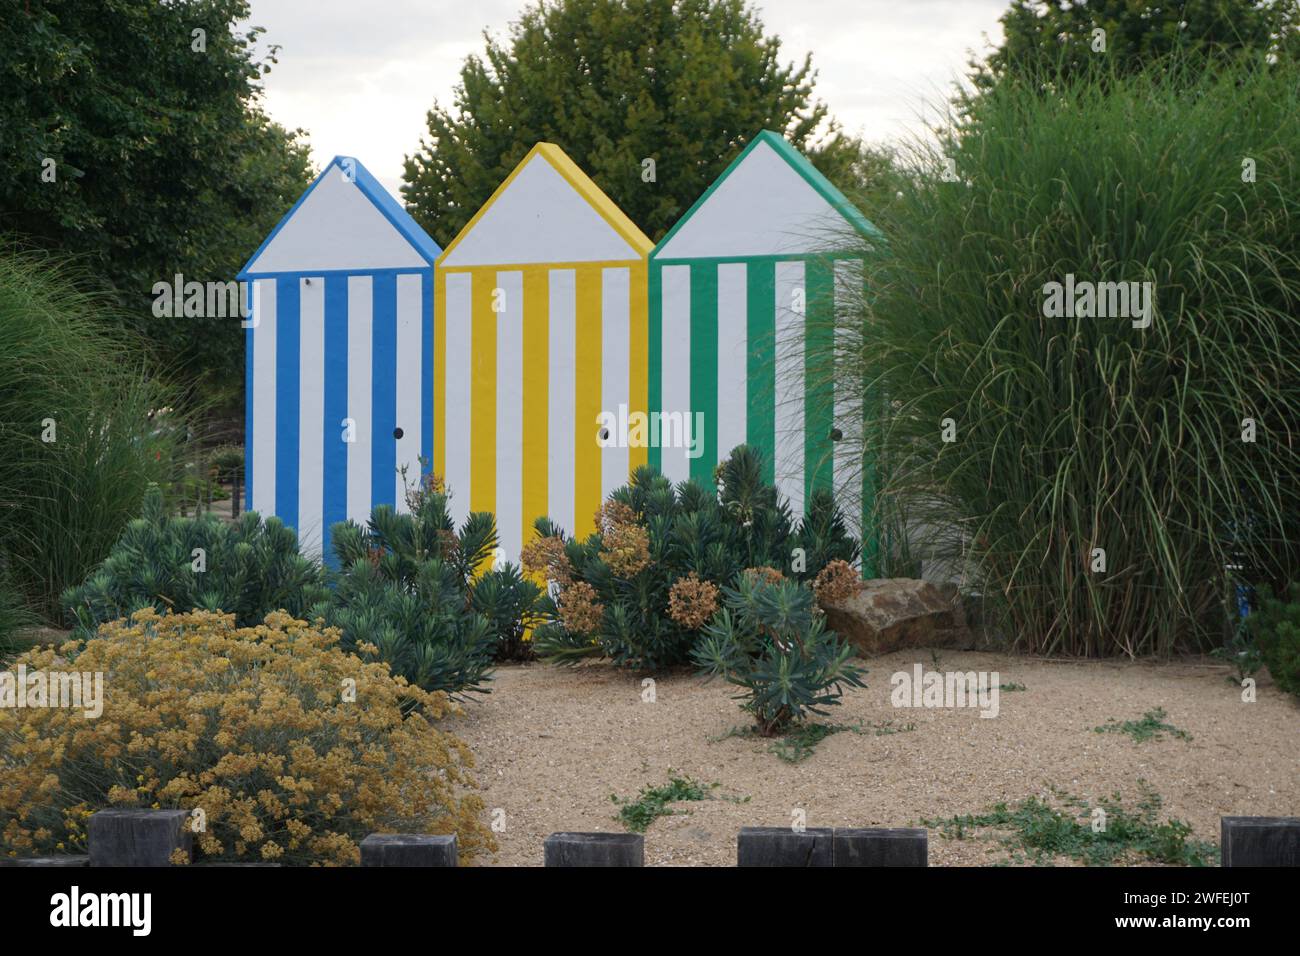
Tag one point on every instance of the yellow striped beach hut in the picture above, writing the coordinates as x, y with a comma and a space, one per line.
540, 331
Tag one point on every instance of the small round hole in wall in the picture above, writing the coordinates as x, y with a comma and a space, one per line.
603, 435
836, 434
398, 433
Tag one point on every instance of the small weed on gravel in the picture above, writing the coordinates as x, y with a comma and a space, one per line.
1097, 836
1150, 727
652, 802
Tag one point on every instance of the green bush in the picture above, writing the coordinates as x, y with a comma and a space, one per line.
79, 447
654, 536
1275, 627
405, 585
249, 569
1073, 434
511, 604
770, 641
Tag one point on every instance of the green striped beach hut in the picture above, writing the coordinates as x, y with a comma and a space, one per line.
740, 293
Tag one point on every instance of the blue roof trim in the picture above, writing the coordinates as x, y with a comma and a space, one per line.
394, 212
379, 197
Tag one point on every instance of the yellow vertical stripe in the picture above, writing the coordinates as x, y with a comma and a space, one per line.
537, 364
587, 383
483, 393
439, 410
638, 358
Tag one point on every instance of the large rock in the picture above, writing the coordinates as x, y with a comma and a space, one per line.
890, 614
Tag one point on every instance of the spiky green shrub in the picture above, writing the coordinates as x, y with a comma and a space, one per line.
770, 641
511, 604
652, 536
1072, 435
1275, 626
248, 568
404, 588
78, 446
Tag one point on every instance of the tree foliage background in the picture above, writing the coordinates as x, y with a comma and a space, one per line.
613, 82
1054, 38
165, 162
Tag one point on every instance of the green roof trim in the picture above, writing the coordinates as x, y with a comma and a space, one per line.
800, 164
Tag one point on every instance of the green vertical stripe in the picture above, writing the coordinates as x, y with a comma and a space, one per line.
760, 414
704, 365
819, 394
655, 386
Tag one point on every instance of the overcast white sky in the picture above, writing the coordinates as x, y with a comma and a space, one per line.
359, 75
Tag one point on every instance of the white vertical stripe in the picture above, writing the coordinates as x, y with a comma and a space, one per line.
456, 392
733, 354
790, 383
311, 414
847, 452
360, 396
262, 441
510, 415
615, 358
676, 346
561, 408
410, 345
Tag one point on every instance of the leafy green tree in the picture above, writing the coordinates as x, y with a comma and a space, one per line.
1057, 36
614, 83
139, 144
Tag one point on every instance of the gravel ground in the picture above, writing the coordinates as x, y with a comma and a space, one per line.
554, 744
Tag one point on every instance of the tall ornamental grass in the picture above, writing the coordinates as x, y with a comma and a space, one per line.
77, 448
1074, 436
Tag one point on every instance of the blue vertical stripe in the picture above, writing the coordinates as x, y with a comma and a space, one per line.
426, 375
288, 318
383, 447
335, 492
248, 403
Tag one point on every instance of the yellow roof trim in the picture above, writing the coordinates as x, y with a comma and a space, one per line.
582, 184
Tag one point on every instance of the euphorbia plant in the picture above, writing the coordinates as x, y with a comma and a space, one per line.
770, 641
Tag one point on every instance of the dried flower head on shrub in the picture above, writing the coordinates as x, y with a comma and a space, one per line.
613, 514
836, 582
691, 602
765, 574
579, 610
545, 556
626, 549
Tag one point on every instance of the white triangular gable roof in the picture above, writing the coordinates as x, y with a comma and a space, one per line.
547, 210
342, 223
770, 202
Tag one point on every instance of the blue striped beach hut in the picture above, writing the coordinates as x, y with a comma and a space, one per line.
339, 356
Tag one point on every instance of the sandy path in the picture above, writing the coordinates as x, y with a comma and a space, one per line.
553, 744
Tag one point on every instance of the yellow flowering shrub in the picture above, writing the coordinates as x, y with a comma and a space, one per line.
292, 749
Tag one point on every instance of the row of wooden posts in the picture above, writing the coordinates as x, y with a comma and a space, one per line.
151, 838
